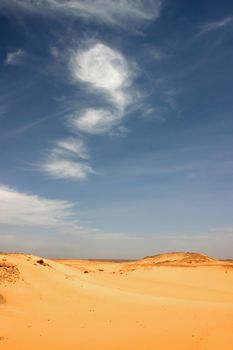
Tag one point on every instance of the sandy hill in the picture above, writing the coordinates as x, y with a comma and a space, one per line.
77, 304
176, 259
180, 258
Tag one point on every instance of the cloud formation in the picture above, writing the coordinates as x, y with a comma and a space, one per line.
120, 13
94, 121
68, 159
105, 70
74, 146
30, 211
64, 168
19, 208
215, 25
13, 57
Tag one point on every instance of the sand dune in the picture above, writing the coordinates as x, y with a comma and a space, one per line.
169, 301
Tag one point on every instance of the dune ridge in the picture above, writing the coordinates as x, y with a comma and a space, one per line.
178, 257
154, 302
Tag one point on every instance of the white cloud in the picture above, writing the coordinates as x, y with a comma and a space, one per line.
68, 160
94, 121
60, 168
120, 13
26, 213
74, 146
17, 208
20, 212
105, 70
14, 57
215, 25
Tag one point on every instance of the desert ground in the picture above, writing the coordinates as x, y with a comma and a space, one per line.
169, 301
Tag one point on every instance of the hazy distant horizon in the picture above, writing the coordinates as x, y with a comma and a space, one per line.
110, 259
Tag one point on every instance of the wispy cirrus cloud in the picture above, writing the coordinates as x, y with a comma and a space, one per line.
63, 168
68, 160
27, 209
74, 146
214, 25
122, 13
31, 212
13, 57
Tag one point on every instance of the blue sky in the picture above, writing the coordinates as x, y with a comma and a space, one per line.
116, 127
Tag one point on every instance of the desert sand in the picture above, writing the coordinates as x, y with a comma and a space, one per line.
170, 301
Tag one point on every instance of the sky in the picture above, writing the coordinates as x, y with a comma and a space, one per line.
116, 123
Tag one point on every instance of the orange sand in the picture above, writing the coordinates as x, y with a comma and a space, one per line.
173, 301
